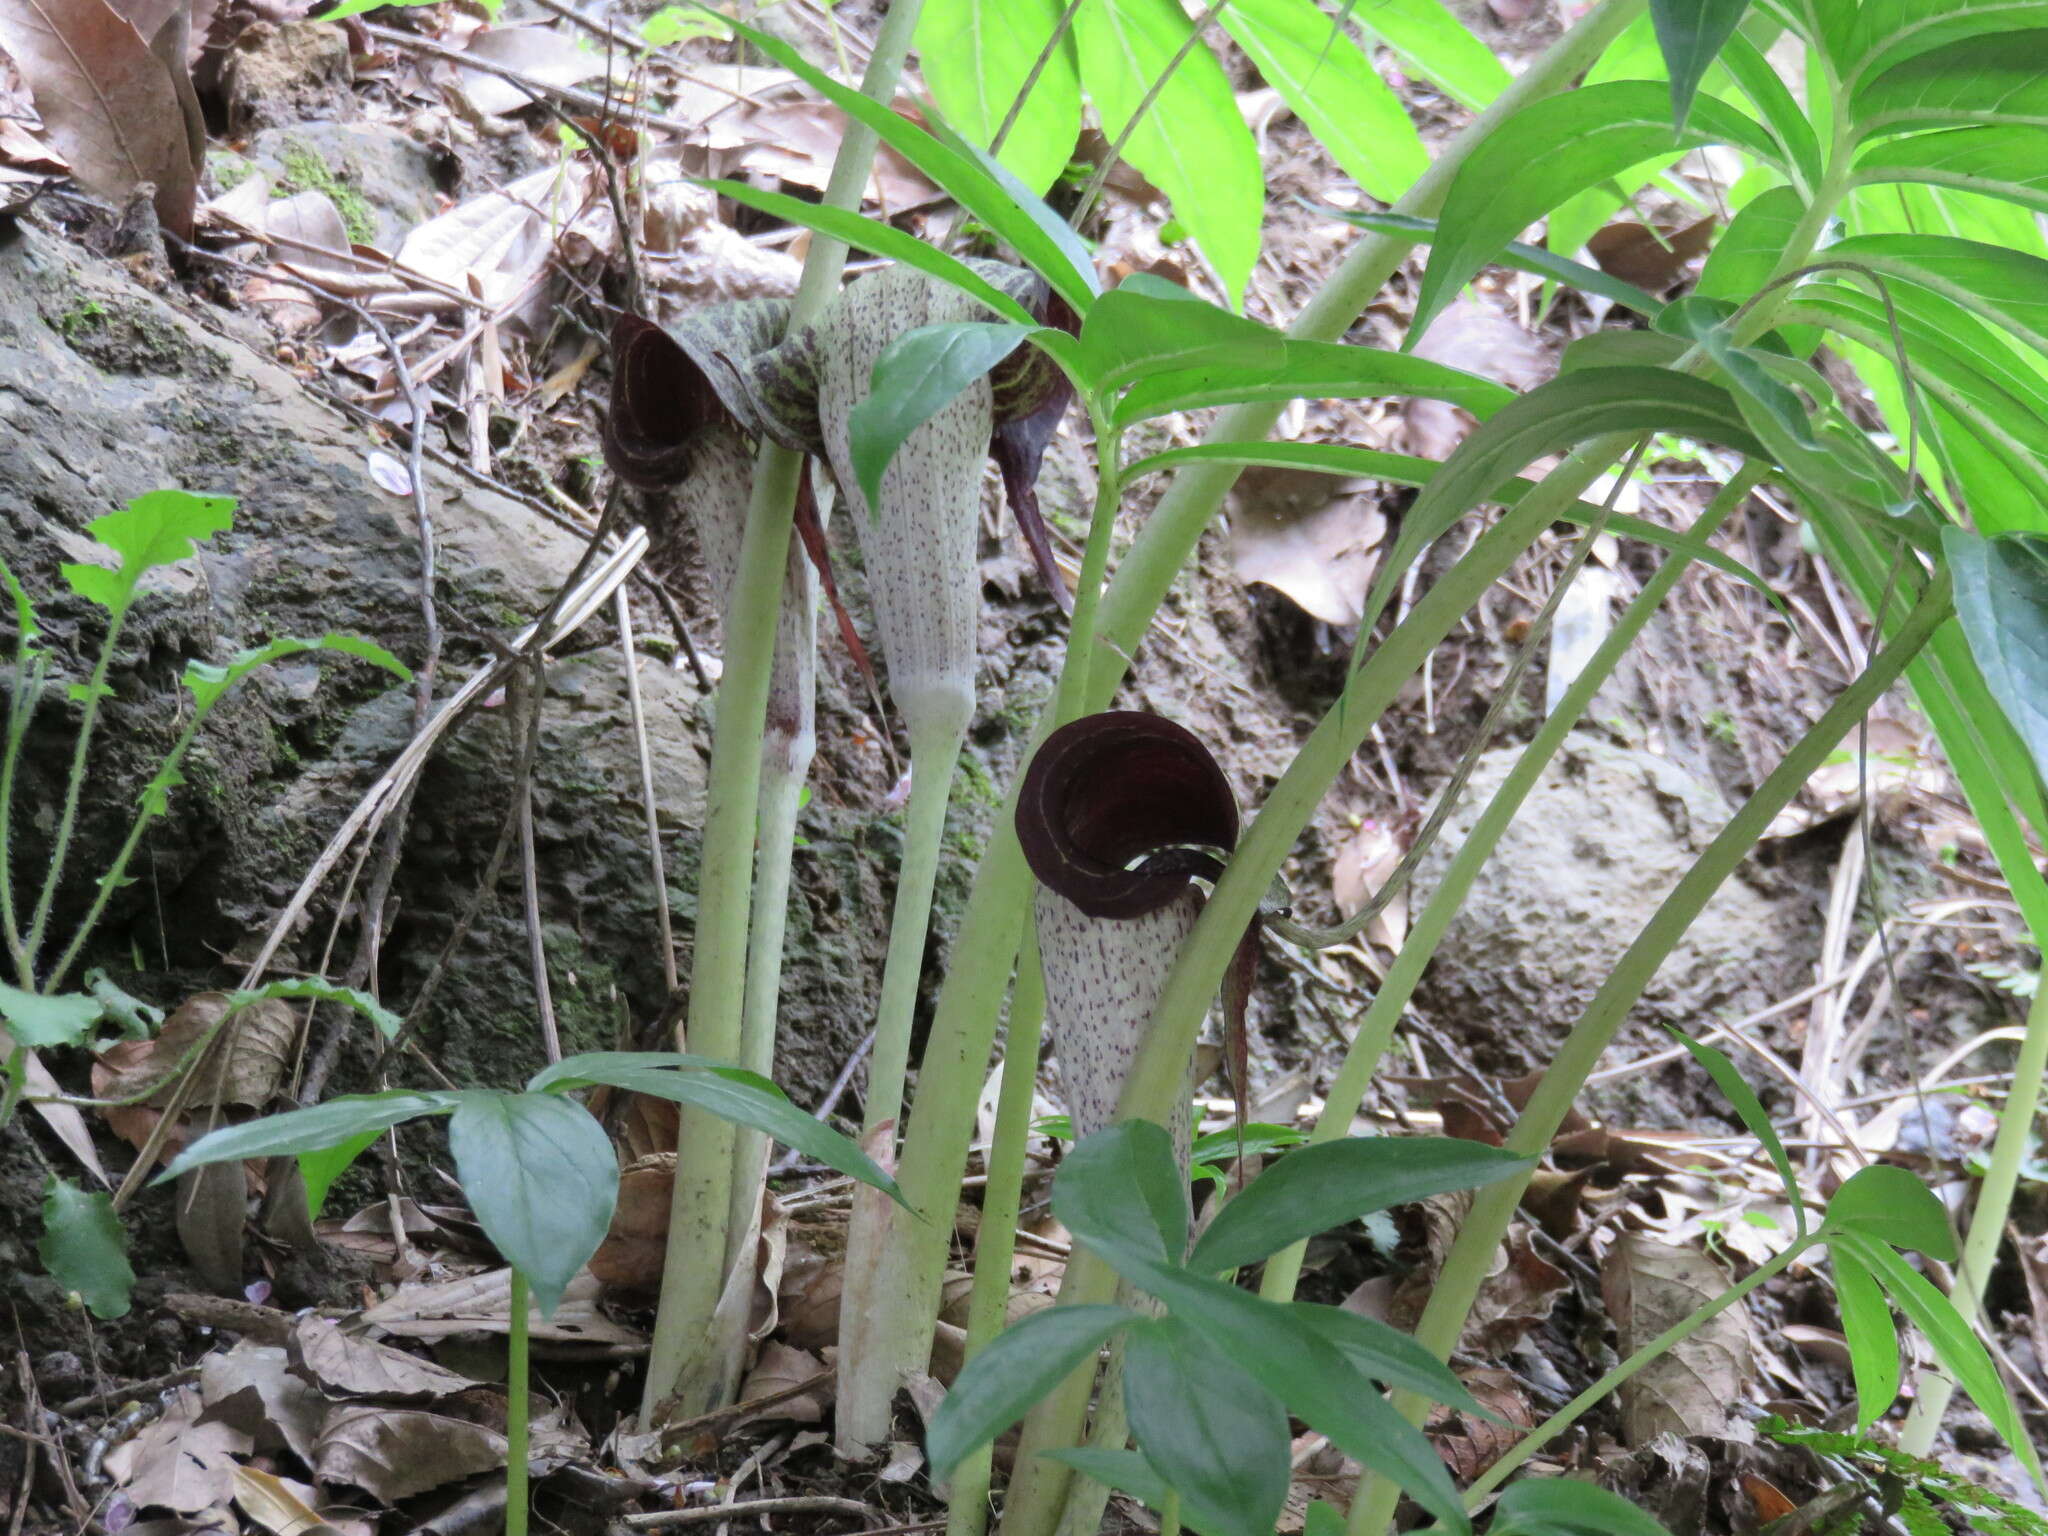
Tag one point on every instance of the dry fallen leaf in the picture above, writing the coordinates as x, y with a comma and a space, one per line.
1361, 867
1315, 538
344, 1362
540, 52
1470, 1445
178, 1462
107, 102
251, 1387
393, 1453
779, 1369
278, 1505
631, 1254
483, 1303
1695, 1387
1480, 339
1652, 259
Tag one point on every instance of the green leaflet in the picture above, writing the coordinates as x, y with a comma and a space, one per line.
1431, 42
1872, 1335
918, 374
1018, 1367
2008, 288
1216, 1436
976, 55
2002, 605
1192, 141
1551, 150
1993, 77
1746, 1105
82, 1247
1691, 34
540, 1173
1332, 86
2006, 160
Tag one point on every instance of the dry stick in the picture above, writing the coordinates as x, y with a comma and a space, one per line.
535, 687
622, 611
799, 1504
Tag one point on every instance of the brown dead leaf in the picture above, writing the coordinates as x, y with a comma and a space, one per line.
1520, 1288
775, 1374
24, 151
1470, 1445
394, 1453
278, 1505
1480, 339
500, 238
483, 1303
212, 1209
813, 1275
539, 52
251, 1388
107, 102
799, 141
1312, 537
241, 1067
1694, 1388
1361, 867
360, 1367
1654, 259
177, 1462
631, 1254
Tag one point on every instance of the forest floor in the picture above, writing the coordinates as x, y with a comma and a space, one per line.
366, 199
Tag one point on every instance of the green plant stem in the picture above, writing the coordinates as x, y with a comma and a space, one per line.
119, 866
1987, 1223
782, 793
934, 754
517, 1406
1039, 1487
74, 787
694, 1269
1466, 1265
970, 1001
1676, 1334
23, 695
1376, 1030
1002, 1198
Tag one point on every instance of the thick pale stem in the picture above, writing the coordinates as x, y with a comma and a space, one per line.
518, 1406
995, 1246
693, 1275
1987, 1224
963, 1027
1471, 1255
1376, 1031
869, 1371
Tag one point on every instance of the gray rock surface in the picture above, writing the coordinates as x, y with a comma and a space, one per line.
1602, 839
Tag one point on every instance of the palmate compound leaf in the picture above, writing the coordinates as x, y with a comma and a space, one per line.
82, 1247
1318, 1187
718, 1088
1955, 1346
1020, 1365
540, 1174
1216, 1436
1547, 153
2002, 605
1743, 1100
1872, 1336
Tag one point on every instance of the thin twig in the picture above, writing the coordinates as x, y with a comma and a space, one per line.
789, 1162
569, 95
623, 610
799, 1504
